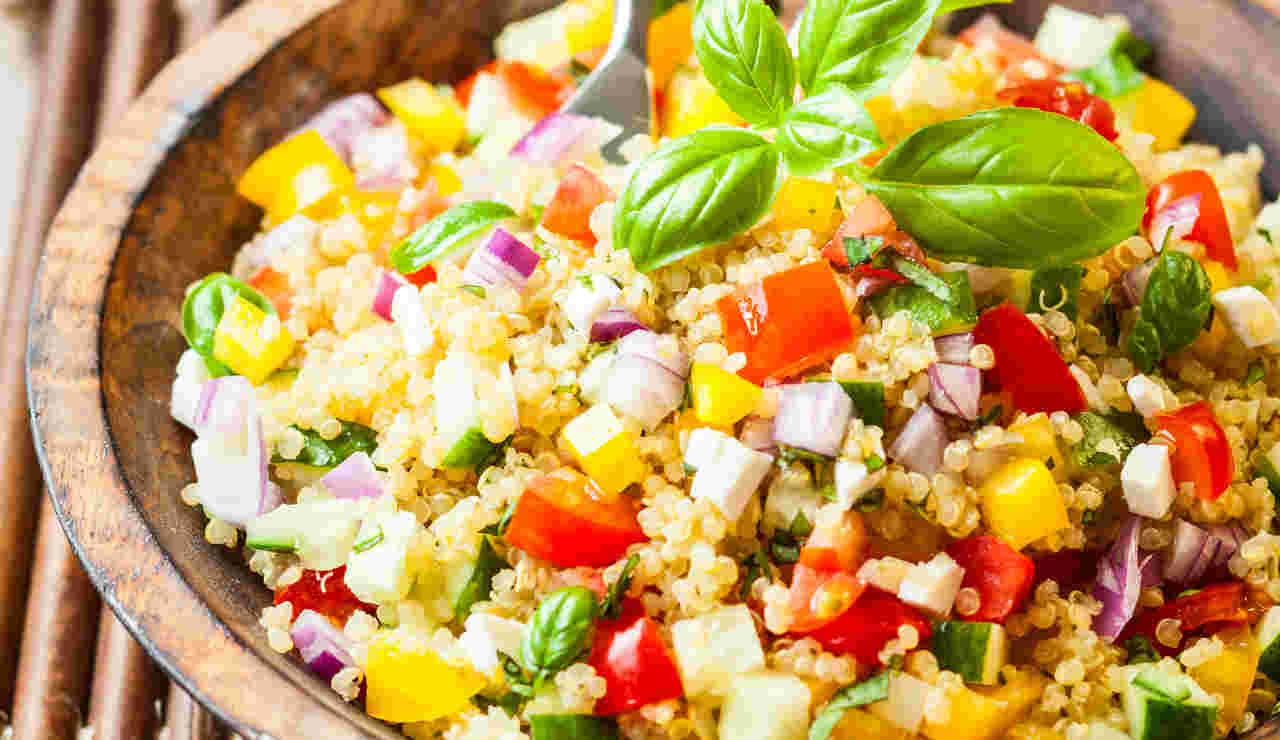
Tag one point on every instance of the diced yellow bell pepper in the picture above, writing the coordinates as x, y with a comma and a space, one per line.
670, 43
1032, 731
693, 104
443, 178
605, 449
589, 26
294, 174
987, 713
1021, 502
1230, 675
409, 683
376, 211
432, 117
250, 341
805, 203
722, 398
859, 724
1211, 342
1039, 441
1157, 109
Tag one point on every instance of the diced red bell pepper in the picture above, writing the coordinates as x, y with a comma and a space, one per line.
1212, 606
788, 322
420, 278
274, 286
824, 581
537, 93
1012, 50
1001, 575
1201, 452
1068, 568
1070, 99
1028, 366
1211, 228
636, 663
864, 628
569, 212
324, 592
564, 519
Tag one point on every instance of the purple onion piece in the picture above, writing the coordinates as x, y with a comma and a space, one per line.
354, 478
642, 388
757, 434
1230, 538
323, 647
955, 389
384, 158
552, 138
1119, 581
954, 348
230, 453
504, 260
345, 119
1175, 220
813, 417
1191, 553
920, 444
1134, 283
615, 323
646, 343
388, 284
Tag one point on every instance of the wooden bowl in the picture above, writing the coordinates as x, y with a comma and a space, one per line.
155, 209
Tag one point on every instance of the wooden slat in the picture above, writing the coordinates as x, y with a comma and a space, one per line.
187, 720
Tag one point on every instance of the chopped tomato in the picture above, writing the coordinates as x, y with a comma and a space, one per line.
1211, 228
274, 286
1070, 99
537, 93
871, 218
1001, 575
463, 89
1002, 400
1201, 453
788, 322
1012, 50
1210, 607
864, 628
1028, 366
636, 663
420, 278
1067, 568
569, 212
824, 582
563, 518
324, 592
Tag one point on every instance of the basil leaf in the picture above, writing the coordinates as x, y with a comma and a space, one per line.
694, 192
754, 567
445, 233
827, 131
744, 54
479, 586
1057, 288
1144, 346
1178, 300
868, 400
864, 44
202, 311
940, 316
949, 6
859, 249
1124, 430
560, 631
319, 452
872, 690
925, 278
612, 605
997, 187
573, 727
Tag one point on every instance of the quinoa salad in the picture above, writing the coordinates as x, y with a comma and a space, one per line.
901, 384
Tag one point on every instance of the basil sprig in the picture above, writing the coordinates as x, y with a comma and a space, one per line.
444, 234
560, 632
872, 690
863, 44
1176, 307
202, 311
744, 54
828, 130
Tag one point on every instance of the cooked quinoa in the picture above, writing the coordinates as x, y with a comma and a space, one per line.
483, 516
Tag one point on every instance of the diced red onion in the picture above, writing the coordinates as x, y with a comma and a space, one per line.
382, 158
188, 389
1122, 574
1230, 538
324, 648
954, 348
1134, 283
646, 343
355, 477
615, 323
503, 260
1175, 220
643, 388
342, 121
757, 434
388, 284
564, 137
813, 417
230, 453
1192, 551
921, 442
955, 389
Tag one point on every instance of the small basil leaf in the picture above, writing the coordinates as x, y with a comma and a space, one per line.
868, 400
925, 278
1123, 430
560, 630
996, 187
940, 316
445, 233
1178, 300
1144, 346
328, 453
872, 690
827, 131
859, 249
1056, 288
744, 54
694, 192
864, 44
202, 311
1117, 73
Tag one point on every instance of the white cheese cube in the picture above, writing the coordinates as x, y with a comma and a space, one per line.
714, 647
184, 401
411, 318
486, 635
1147, 396
591, 430
853, 481
1250, 315
766, 706
703, 447
589, 297
382, 571
1147, 478
729, 472
932, 586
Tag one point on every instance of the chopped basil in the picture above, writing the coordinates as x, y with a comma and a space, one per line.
868, 400
924, 306
873, 463
499, 528
1107, 439
785, 545
754, 567
369, 543
869, 691
476, 290
870, 502
1257, 371
319, 452
611, 607
1056, 288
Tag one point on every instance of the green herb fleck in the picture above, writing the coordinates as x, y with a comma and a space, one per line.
1257, 371
873, 463
1125, 430
872, 690
612, 605
870, 502
369, 543
476, 290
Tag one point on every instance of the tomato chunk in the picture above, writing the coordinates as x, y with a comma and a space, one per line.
864, 628
824, 582
1012, 49
1028, 366
636, 663
563, 518
569, 212
420, 278
1070, 99
788, 322
274, 286
537, 93
1195, 188
324, 592
1001, 575
871, 218
1211, 607
1201, 452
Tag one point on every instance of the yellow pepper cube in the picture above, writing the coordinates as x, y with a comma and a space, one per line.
376, 211
722, 398
294, 174
805, 203
443, 178
432, 117
605, 449
1230, 675
670, 43
1040, 442
859, 724
1157, 109
693, 104
986, 713
1021, 502
406, 682
250, 341
1209, 345
589, 25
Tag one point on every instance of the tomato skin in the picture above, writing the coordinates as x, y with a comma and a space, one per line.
871, 218
274, 286
1001, 575
788, 322
636, 663
569, 213
1012, 49
1211, 228
1028, 365
827, 569
1069, 99
1213, 606
1201, 453
535, 92
864, 628
558, 519
420, 278
324, 592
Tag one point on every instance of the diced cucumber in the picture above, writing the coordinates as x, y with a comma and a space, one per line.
1268, 466
539, 39
790, 494
471, 450
572, 727
712, 648
766, 706
381, 568
868, 400
1168, 706
941, 317
321, 532
457, 412
1075, 39
1269, 641
975, 650
480, 581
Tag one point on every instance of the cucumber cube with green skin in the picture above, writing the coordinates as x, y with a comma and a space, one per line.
457, 410
321, 532
1269, 640
572, 727
974, 650
1168, 706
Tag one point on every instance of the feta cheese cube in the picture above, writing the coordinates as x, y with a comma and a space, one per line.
1147, 396
728, 471
1250, 315
592, 429
714, 647
932, 586
486, 635
703, 447
380, 571
411, 318
1147, 479
853, 481
184, 401
589, 297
